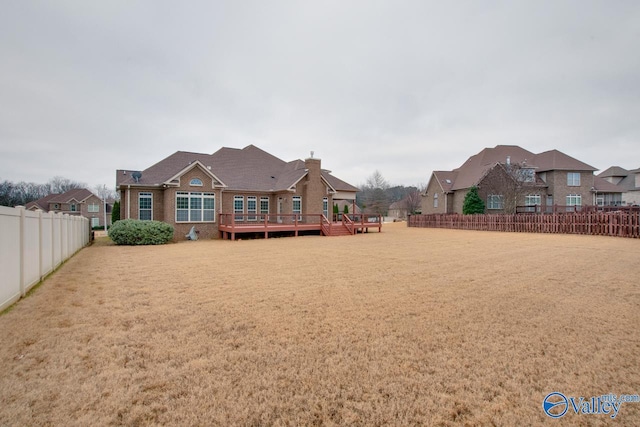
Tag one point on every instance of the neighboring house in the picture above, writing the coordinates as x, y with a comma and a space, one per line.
508, 176
627, 180
400, 209
350, 204
240, 185
79, 201
397, 210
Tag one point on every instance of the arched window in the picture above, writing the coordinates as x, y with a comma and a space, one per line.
195, 182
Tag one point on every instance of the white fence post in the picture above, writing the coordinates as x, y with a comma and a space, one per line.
29, 250
22, 249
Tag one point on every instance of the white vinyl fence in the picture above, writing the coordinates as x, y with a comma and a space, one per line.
32, 245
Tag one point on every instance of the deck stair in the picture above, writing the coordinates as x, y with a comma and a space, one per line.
339, 229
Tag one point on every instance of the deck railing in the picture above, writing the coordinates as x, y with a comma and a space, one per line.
233, 223
253, 219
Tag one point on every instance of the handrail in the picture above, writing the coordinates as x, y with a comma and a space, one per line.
326, 225
347, 222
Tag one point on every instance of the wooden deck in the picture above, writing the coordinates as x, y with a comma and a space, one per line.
232, 224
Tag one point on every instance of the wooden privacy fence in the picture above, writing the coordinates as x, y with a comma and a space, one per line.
621, 224
32, 245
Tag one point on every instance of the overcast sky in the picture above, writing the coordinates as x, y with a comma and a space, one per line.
402, 87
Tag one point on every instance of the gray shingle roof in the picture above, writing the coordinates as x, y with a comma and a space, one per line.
472, 170
604, 186
613, 171
76, 194
249, 168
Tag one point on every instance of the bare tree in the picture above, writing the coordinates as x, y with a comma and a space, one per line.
59, 184
106, 193
511, 182
413, 199
374, 196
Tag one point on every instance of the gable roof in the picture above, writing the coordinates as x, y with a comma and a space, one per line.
42, 203
477, 166
613, 171
445, 179
78, 195
249, 168
471, 171
338, 184
603, 186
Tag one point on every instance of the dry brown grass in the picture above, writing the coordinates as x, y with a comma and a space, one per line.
409, 326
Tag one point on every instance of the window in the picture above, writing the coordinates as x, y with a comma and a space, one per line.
56, 206
195, 182
93, 208
573, 179
145, 203
531, 201
238, 207
495, 201
435, 200
195, 207
325, 207
526, 175
264, 206
95, 222
297, 206
252, 208
73, 207
574, 200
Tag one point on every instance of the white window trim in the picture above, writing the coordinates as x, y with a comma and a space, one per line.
491, 201
435, 200
325, 207
264, 211
146, 195
93, 208
238, 211
193, 195
574, 197
572, 182
252, 214
196, 182
296, 211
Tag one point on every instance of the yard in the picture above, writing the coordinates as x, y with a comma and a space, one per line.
408, 326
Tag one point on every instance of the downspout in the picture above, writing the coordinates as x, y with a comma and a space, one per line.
221, 198
128, 201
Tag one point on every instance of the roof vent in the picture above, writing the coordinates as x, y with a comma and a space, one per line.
137, 176
508, 160
312, 154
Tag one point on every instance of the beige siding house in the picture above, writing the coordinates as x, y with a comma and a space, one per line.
628, 181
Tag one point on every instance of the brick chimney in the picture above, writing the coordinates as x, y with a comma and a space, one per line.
314, 189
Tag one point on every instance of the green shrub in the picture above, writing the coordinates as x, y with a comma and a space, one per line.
472, 203
136, 232
115, 211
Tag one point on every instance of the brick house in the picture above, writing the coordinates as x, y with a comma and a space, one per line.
510, 177
79, 201
231, 187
